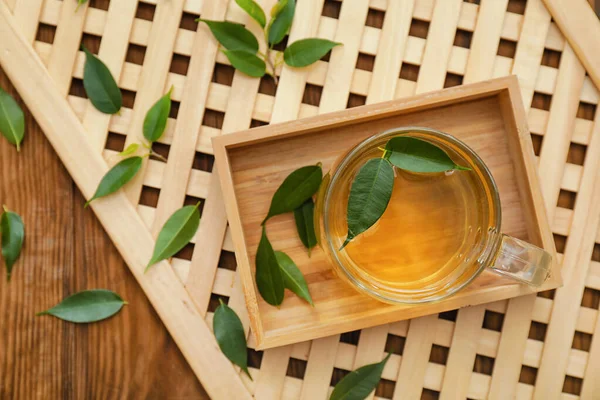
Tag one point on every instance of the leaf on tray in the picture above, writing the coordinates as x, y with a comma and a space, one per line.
100, 86
117, 177
305, 224
292, 277
231, 337
269, 278
12, 234
87, 306
12, 120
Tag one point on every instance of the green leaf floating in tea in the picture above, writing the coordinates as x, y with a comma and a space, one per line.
305, 224
416, 155
87, 306
232, 36
298, 187
176, 233
292, 277
282, 15
156, 118
369, 196
117, 177
358, 384
269, 278
253, 10
246, 62
231, 337
307, 51
100, 86
12, 233
12, 120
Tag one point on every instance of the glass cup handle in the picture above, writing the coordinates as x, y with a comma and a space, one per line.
522, 261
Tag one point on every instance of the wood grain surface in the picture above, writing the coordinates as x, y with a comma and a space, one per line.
66, 250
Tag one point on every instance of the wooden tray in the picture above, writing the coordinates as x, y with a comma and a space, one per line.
487, 116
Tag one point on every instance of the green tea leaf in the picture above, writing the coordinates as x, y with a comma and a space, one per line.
418, 155
253, 10
231, 337
369, 196
156, 118
307, 51
232, 36
358, 384
12, 120
246, 62
12, 234
298, 187
87, 306
117, 177
281, 23
292, 277
131, 149
100, 86
176, 233
278, 7
305, 224
269, 279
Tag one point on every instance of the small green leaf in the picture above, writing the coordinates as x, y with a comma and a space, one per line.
131, 149
87, 306
79, 4
298, 187
292, 277
231, 337
358, 384
269, 279
248, 63
253, 10
280, 25
369, 196
12, 234
232, 36
176, 233
307, 51
278, 7
156, 118
418, 155
117, 177
100, 86
12, 120
305, 224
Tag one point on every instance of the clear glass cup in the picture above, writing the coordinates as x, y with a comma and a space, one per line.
483, 247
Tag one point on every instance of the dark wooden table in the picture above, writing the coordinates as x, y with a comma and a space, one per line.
66, 250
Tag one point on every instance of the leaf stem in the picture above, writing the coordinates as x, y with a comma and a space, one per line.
156, 155
270, 64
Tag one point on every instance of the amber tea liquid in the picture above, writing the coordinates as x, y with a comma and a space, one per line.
434, 227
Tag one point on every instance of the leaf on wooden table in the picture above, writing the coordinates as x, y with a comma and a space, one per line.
87, 306
292, 277
305, 224
298, 187
369, 196
231, 337
253, 10
307, 51
131, 149
100, 86
280, 24
232, 36
156, 118
12, 233
269, 278
416, 155
12, 120
117, 177
358, 384
176, 233
246, 62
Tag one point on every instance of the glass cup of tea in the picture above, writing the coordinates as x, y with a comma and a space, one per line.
438, 232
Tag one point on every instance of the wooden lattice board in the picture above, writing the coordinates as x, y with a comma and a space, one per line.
539, 345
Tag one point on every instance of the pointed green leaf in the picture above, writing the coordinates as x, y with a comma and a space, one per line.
231, 337
156, 118
278, 7
232, 36
280, 25
12, 120
131, 149
369, 196
246, 62
292, 277
12, 232
358, 384
298, 187
418, 155
307, 51
269, 279
176, 233
305, 224
100, 86
117, 177
87, 306
253, 10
